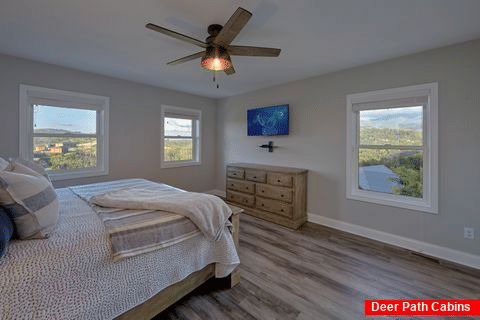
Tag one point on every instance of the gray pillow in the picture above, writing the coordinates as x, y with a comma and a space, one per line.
30, 200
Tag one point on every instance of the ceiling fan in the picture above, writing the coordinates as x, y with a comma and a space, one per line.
216, 56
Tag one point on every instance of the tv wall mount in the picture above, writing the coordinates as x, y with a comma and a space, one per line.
268, 146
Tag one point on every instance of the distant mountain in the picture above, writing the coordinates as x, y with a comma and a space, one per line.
55, 131
175, 133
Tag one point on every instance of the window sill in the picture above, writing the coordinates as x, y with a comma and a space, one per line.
398, 201
76, 174
176, 164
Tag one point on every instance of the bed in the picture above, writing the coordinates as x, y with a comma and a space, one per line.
72, 274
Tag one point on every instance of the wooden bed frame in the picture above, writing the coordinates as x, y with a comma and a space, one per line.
175, 292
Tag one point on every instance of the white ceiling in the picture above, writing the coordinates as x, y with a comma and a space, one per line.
317, 36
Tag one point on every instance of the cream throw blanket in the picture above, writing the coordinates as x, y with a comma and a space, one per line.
209, 213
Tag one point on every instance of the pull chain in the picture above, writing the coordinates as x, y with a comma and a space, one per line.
214, 74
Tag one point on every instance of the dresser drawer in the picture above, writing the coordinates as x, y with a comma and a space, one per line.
278, 207
280, 179
241, 198
255, 175
279, 193
237, 173
241, 185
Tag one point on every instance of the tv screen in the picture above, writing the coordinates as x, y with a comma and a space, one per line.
268, 121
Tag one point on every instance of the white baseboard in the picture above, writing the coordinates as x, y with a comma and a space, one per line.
466, 259
217, 192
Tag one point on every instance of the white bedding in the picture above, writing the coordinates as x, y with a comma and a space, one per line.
208, 212
71, 275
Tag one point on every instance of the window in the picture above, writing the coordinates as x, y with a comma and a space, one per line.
392, 156
66, 132
180, 140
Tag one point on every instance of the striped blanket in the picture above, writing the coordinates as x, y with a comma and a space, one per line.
136, 227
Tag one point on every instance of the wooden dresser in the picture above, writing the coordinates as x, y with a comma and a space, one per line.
276, 194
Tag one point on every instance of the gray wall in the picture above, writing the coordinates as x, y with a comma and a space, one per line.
317, 141
134, 121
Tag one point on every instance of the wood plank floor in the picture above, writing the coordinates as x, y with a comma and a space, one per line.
321, 273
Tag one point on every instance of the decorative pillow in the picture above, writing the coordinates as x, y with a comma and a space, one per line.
3, 164
30, 200
6, 231
29, 164
14, 165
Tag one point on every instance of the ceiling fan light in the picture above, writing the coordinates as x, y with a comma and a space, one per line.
216, 59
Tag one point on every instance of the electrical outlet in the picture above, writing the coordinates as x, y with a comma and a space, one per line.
469, 233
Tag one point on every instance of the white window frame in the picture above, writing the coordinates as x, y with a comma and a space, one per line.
396, 97
181, 113
31, 95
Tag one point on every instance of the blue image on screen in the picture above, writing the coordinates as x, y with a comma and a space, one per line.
268, 121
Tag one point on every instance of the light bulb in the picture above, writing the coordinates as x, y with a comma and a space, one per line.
216, 64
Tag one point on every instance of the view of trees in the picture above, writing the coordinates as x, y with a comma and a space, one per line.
178, 149
56, 153
61, 153
407, 165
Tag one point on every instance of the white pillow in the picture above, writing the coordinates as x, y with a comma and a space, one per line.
30, 200
3, 164
29, 164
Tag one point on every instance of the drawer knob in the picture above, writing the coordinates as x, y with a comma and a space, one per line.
278, 180
263, 190
282, 210
281, 195
254, 177
263, 205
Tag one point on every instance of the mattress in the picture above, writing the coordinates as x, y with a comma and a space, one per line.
71, 275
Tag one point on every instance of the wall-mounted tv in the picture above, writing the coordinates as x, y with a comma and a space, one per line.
268, 121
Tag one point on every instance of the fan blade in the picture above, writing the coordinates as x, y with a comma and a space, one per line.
187, 58
230, 70
176, 35
233, 27
253, 51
